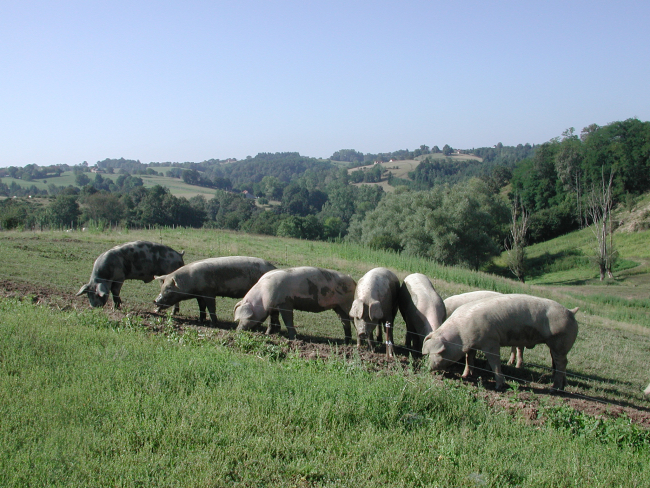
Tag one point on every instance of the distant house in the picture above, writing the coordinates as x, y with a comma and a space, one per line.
247, 194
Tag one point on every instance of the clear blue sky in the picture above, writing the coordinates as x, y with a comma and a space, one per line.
194, 80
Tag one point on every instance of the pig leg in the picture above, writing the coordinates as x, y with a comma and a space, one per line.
494, 360
379, 335
274, 323
559, 370
520, 357
390, 350
369, 339
513, 356
177, 309
469, 363
408, 341
202, 305
345, 320
287, 318
212, 308
115, 291
516, 356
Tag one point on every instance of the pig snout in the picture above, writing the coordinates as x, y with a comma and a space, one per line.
160, 303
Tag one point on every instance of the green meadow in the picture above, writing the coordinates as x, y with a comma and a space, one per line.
176, 186
87, 401
131, 398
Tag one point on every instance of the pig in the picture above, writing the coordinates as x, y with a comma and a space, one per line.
303, 288
453, 302
422, 309
229, 276
139, 260
375, 304
508, 320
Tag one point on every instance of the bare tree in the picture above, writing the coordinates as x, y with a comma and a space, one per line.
598, 217
515, 244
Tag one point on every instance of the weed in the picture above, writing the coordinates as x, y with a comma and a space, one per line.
619, 431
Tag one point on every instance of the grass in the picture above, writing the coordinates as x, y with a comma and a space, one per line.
61, 262
87, 401
563, 267
176, 186
401, 168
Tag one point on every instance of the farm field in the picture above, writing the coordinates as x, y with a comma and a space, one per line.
132, 396
176, 186
401, 169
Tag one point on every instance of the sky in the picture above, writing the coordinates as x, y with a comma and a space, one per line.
183, 81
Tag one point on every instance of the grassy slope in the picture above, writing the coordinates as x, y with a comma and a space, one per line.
63, 261
177, 187
401, 169
86, 401
563, 264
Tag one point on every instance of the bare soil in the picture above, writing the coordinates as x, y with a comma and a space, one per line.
523, 403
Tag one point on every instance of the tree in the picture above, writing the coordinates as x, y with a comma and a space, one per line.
598, 216
300, 227
516, 243
103, 207
191, 177
81, 179
64, 211
452, 225
568, 166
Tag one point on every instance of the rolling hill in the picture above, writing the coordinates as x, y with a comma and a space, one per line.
401, 168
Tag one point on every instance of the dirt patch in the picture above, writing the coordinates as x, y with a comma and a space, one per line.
525, 403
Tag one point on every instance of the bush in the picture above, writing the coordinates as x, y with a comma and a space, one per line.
550, 223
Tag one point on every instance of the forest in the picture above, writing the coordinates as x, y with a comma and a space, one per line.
450, 211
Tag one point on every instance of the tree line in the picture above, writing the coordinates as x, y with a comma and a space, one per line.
454, 212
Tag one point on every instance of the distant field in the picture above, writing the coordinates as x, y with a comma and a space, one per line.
565, 265
177, 187
401, 169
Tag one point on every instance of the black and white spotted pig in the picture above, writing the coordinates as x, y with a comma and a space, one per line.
138, 260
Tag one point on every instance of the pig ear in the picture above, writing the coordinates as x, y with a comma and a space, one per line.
161, 278
575, 310
374, 311
356, 311
83, 289
243, 311
432, 344
102, 290
237, 305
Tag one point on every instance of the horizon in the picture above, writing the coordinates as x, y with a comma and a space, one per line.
199, 81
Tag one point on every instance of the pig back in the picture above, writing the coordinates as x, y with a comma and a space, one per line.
138, 260
455, 301
307, 288
229, 276
420, 305
513, 320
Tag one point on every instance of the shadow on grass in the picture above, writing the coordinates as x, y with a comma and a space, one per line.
545, 263
530, 380
531, 377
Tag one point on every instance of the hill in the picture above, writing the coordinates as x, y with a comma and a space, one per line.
564, 263
95, 396
401, 168
176, 186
